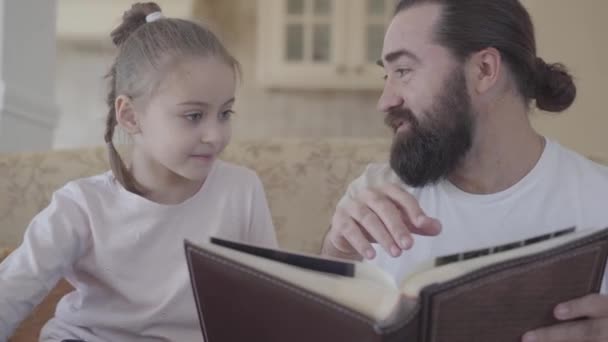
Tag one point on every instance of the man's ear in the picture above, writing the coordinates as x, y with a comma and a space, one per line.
126, 116
485, 68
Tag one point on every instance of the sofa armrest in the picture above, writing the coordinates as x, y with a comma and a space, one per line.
29, 329
4, 252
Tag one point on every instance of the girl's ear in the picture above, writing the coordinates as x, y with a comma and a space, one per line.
126, 116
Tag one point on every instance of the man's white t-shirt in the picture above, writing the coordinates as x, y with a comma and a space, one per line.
563, 190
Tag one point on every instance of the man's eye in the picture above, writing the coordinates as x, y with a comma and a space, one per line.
402, 72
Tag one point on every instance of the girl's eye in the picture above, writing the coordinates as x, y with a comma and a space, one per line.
194, 116
226, 115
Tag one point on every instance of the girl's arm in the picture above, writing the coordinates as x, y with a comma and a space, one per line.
52, 242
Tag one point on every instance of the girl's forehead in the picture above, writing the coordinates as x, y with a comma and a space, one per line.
196, 77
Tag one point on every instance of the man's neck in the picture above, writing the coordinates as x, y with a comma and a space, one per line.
505, 149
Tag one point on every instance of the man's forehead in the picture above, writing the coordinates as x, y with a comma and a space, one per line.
412, 28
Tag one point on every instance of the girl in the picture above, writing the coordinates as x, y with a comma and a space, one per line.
118, 237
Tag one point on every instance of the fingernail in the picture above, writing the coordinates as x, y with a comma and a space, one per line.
370, 254
530, 337
562, 311
406, 242
395, 251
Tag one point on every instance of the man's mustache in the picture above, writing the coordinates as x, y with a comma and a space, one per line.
397, 117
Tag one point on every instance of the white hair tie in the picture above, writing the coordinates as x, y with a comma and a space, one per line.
154, 16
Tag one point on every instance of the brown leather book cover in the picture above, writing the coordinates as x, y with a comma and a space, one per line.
277, 296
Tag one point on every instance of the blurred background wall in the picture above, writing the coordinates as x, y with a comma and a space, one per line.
335, 106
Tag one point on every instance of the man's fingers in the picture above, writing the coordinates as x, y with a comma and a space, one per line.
426, 226
592, 306
579, 331
373, 226
390, 216
387, 215
358, 241
347, 238
420, 223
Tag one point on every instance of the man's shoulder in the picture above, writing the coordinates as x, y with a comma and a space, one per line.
586, 182
577, 165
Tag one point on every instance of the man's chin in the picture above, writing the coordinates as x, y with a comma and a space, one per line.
402, 137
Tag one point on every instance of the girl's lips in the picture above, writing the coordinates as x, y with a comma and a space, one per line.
203, 157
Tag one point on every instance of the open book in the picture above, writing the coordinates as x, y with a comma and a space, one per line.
250, 293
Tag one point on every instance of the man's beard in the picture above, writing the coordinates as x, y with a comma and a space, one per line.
431, 149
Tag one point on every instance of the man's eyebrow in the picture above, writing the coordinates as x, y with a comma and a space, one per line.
392, 56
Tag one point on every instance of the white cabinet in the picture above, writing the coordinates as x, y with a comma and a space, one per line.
321, 44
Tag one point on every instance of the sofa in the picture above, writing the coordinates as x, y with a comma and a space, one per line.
303, 182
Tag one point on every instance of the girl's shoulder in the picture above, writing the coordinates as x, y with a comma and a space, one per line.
83, 189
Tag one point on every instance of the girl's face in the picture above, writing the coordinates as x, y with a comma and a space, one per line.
185, 124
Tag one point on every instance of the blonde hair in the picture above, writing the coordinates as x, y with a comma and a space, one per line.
145, 50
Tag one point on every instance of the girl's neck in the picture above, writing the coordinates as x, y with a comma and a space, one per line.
161, 185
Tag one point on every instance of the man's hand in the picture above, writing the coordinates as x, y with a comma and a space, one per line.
388, 215
594, 327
